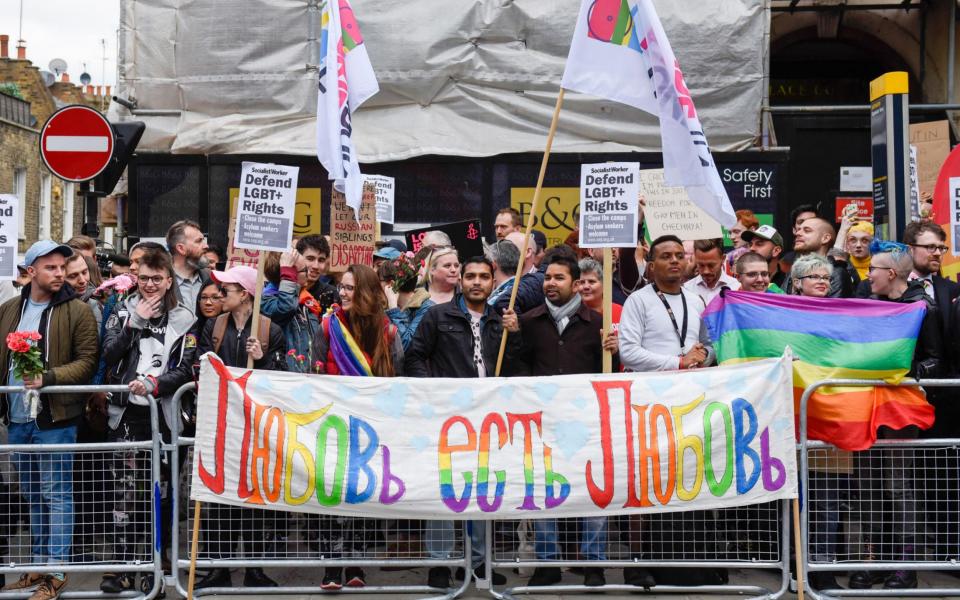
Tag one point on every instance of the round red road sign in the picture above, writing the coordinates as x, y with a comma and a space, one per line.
76, 143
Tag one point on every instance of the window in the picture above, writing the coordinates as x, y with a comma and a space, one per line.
68, 197
20, 191
46, 200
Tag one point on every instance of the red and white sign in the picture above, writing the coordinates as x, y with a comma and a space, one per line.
76, 143
864, 207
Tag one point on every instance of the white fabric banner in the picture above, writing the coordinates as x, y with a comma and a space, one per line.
496, 448
347, 80
621, 52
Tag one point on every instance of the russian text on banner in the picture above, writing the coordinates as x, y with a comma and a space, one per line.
583, 445
346, 81
831, 338
621, 52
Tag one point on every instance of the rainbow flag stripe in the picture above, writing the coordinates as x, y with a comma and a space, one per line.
831, 338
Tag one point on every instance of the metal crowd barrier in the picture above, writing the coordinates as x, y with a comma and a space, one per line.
894, 507
94, 525
679, 548
233, 537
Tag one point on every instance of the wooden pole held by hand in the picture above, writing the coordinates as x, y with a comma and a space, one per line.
534, 207
607, 306
255, 324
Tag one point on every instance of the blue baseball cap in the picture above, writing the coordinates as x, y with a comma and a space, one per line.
43, 248
387, 252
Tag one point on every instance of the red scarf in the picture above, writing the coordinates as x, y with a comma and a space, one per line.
307, 300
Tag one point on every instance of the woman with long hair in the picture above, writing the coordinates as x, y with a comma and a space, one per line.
443, 274
356, 338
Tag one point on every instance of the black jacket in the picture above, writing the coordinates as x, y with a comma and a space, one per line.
443, 344
928, 357
547, 352
233, 348
325, 294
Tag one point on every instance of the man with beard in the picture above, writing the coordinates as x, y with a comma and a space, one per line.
187, 245
460, 338
561, 337
816, 235
708, 255
68, 348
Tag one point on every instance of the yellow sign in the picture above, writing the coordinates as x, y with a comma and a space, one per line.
894, 82
559, 212
306, 219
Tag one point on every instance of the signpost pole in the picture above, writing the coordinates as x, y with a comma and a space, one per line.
534, 206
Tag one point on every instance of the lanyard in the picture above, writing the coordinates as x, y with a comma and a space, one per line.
681, 335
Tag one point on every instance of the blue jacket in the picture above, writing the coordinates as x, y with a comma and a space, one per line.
299, 324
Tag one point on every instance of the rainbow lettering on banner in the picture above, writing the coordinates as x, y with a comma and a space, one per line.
550, 446
271, 449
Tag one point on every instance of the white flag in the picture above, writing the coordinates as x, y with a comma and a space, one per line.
621, 52
346, 81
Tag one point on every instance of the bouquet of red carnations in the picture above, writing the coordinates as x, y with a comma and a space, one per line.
27, 362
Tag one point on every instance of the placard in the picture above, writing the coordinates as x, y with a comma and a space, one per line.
669, 211
864, 207
609, 205
9, 235
465, 235
352, 240
266, 207
383, 188
954, 199
856, 179
914, 185
933, 147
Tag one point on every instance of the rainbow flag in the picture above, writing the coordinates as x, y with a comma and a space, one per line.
830, 338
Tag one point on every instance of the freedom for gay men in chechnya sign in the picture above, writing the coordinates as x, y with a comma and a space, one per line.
496, 448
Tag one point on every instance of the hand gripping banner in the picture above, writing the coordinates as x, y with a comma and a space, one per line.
497, 448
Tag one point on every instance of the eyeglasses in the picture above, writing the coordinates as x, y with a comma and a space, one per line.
345, 287
151, 279
817, 277
755, 274
873, 268
213, 298
932, 248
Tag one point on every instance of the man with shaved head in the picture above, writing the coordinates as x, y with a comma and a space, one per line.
815, 236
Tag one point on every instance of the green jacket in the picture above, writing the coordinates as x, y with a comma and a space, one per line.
69, 346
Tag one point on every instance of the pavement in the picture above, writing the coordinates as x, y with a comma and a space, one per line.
300, 577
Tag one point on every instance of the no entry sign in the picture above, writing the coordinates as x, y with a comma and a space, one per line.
76, 143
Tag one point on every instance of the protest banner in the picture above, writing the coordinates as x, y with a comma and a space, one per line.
609, 204
266, 206
384, 192
352, 240
465, 236
557, 215
9, 235
565, 446
306, 221
933, 146
669, 211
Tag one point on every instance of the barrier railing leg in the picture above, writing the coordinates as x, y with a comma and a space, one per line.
798, 548
194, 543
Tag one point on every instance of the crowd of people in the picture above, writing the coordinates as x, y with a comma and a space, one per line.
429, 314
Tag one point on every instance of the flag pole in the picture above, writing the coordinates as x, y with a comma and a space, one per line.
607, 306
798, 548
534, 206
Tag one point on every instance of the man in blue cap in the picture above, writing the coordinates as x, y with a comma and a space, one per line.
68, 347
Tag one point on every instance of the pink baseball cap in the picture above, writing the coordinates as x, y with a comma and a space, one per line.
245, 277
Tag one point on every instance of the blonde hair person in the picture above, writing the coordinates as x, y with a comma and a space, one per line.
810, 275
442, 275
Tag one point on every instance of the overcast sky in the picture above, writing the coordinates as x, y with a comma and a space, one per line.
67, 29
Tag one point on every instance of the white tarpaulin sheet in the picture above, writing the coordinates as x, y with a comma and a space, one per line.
457, 77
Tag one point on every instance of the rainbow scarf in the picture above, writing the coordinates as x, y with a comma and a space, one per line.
831, 338
346, 352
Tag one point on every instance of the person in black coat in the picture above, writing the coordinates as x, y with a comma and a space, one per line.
228, 336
